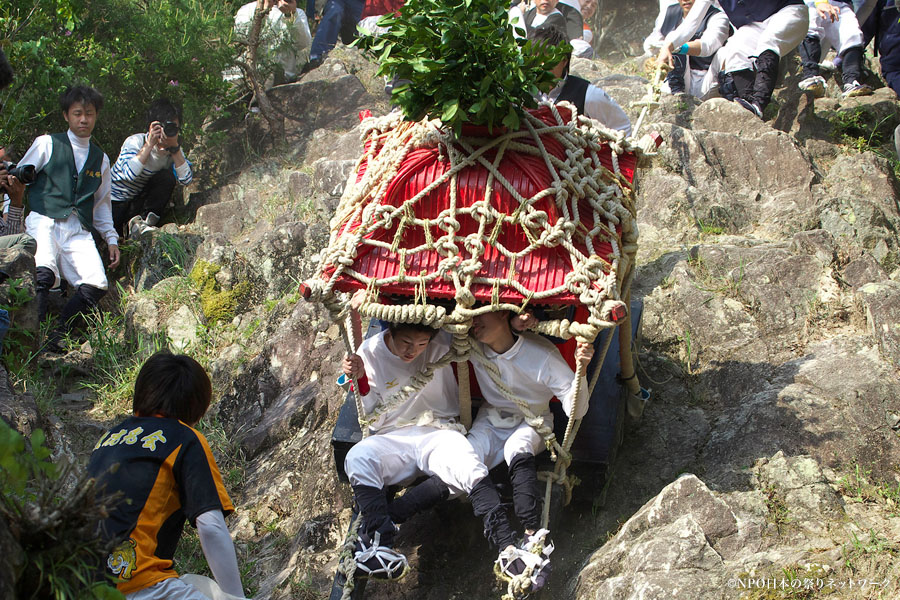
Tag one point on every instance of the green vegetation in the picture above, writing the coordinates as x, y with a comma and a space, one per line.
858, 548
41, 505
217, 304
859, 485
779, 513
180, 52
463, 62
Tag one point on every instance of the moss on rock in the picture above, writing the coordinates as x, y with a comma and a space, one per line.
217, 304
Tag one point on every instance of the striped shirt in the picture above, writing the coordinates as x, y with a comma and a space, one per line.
129, 176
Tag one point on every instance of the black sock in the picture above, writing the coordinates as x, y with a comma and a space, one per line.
851, 65
766, 77
84, 299
743, 82
526, 498
810, 55
418, 498
44, 280
486, 504
372, 504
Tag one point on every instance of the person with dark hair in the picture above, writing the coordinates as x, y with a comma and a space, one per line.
144, 174
413, 433
69, 197
165, 474
6, 72
588, 99
845, 36
765, 31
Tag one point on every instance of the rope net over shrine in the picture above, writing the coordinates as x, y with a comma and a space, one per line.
488, 221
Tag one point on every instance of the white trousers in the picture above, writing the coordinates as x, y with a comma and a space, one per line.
65, 247
398, 457
780, 33
699, 83
168, 589
841, 35
494, 444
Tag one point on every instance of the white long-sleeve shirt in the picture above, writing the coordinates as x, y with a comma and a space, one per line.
598, 105
39, 155
285, 38
387, 373
535, 371
713, 38
691, 23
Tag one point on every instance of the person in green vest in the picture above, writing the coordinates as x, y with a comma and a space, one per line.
68, 198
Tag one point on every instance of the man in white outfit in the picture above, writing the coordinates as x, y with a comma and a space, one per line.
70, 195
765, 31
696, 64
845, 36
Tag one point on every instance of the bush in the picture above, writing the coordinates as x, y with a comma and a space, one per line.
51, 514
131, 50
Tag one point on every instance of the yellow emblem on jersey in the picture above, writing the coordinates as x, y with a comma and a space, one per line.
123, 560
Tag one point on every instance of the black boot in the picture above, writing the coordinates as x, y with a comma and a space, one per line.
526, 497
418, 498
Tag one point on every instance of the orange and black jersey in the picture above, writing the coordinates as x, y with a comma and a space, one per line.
166, 474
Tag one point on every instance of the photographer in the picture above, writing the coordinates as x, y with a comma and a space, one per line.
143, 177
11, 226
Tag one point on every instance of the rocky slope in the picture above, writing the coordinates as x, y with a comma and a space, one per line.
769, 274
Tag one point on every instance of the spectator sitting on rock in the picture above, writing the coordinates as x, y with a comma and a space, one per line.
69, 196
883, 26
339, 17
695, 68
845, 36
552, 13
144, 174
766, 30
590, 100
588, 8
284, 36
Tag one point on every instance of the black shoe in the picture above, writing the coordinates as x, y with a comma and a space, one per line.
751, 106
314, 63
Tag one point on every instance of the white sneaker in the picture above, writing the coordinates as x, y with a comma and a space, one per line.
856, 88
137, 226
815, 85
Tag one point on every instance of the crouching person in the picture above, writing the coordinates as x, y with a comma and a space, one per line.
413, 433
69, 196
166, 475
533, 371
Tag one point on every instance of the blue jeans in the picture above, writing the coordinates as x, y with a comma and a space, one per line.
338, 17
4, 325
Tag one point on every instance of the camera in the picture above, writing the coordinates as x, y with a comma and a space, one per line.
170, 128
24, 173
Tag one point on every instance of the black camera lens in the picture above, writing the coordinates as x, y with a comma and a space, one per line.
24, 173
170, 128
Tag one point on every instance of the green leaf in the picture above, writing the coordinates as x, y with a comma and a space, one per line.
511, 120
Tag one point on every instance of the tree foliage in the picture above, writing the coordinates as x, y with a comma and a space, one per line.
131, 50
463, 62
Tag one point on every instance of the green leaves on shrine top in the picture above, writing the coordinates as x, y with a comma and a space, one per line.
463, 62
